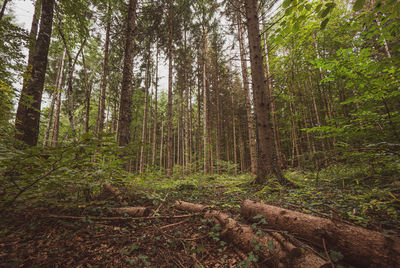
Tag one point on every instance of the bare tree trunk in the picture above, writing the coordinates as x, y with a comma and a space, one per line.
3, 8
28, 112
170, 69
234, 133
53, 101
88, 91
206, 163
154, 149
102, 105
146, 102
56, 126
125, 111
273, 109
218, 123
267, 164
162, 144
250, 119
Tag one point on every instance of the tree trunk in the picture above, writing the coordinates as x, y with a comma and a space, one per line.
146, 102
154, 147
170, 69
56, 126
369, 249
250, 120
273, 109
234, 133
53, 101
206, 159
162, 145
267, 164
88, 92
273, 248
218, 123
125, 111
3, 8
105, 73
28, 112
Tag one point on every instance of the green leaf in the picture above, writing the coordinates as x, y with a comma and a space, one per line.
286, 3
359, 4
325, 12
324, 23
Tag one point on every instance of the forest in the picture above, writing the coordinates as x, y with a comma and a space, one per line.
200, 133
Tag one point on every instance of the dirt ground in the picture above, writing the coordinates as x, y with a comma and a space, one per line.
38, 238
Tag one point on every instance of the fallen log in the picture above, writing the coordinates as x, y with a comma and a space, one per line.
360, 247
274, 249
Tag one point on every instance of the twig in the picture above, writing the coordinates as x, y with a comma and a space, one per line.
327, 253
173, 224
122, 218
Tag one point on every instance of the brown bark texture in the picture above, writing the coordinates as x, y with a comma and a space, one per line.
102, 105
360, 247
274, 249
170, 164
125, 111
267, 164
28, 112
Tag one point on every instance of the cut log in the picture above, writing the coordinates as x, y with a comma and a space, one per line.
274, 249
134, 211
360, 247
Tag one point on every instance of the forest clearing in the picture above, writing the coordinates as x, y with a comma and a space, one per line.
200, 133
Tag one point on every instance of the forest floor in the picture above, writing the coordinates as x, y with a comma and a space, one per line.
91, 235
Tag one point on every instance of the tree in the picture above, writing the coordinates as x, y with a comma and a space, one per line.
267, 164
28, 113
125, 111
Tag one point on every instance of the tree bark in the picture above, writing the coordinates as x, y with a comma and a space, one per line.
234, 133
146, 102
154, 147
125, 111
369, 249
250, 119
273, 106
206, 159
88, 92
28, 112
105, 73
267, 164
274, 249
56, 125
170, 69
3, 8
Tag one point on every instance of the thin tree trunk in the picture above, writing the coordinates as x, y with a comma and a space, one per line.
146, 102
88, 92
250, 120
273, 109
3, 8
28, 112
56, 126
170, 69
102, 106
206, 163
154, 149
234, 133
162, 144
125, 111
53, 101
218, 123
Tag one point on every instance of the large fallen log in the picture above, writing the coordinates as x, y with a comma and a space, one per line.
360, 247
273, 249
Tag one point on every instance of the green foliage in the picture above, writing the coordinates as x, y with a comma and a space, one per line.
73, 172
